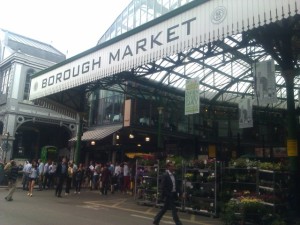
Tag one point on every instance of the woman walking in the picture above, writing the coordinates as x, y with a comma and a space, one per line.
32, 177
78, 178
69, 178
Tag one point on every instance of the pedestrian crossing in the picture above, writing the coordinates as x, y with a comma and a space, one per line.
144, 212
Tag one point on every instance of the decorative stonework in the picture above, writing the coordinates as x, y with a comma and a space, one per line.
218, 15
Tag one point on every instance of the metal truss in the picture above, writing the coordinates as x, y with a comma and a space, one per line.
225, 69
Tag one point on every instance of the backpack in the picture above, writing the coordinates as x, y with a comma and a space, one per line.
78, 175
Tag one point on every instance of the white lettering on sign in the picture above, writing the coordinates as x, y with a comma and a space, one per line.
201, 24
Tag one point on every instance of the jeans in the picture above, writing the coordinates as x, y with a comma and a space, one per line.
13, 185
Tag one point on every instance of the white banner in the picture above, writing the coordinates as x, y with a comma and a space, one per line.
265, 83
245, 113
207, 22
192, 96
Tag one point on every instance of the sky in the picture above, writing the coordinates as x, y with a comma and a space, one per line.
70, 26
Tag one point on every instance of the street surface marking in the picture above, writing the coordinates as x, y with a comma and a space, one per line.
193, 217
119, 203
152, 214
88, 207
149, 210
148, 218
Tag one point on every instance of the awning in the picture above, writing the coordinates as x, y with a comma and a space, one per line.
98, 133
133, 155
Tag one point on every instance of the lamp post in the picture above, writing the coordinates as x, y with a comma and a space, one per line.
6, 146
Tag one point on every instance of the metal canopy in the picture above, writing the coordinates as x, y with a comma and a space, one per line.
225, 68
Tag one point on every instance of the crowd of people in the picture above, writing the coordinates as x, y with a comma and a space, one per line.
105, 177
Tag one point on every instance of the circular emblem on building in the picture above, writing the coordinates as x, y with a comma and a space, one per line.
36, 85
218, 15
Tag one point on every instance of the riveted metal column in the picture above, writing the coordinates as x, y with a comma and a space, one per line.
159, 133
80, 126
292, 143
78, 140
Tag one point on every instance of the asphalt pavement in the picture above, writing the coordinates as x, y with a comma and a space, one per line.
87, 208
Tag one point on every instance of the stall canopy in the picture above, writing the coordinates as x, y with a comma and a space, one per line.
98, 133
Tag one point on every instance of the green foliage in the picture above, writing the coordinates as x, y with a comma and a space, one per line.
272, 166
230, 213
249, 210
147, 162
177, 160
243, 163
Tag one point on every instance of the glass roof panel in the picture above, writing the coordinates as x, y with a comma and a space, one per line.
225, 67
33, 43
139, 12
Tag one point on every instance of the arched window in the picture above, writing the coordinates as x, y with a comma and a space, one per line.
27, 84
5, 81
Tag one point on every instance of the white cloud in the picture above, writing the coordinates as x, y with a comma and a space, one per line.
70, 26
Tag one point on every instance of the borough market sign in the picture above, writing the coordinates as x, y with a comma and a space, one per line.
209, 21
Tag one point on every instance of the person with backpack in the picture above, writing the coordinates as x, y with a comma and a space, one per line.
12, 172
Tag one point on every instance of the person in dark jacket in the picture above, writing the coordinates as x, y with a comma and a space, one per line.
78, 178
61, 173
105, 179
169, 193
12, 172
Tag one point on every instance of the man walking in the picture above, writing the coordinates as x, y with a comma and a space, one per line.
12, 172
61, 173
169, 195
26, 171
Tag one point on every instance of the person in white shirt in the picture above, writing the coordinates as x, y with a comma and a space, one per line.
46, 174
40, 174
126, 178
52, 171
26, 171
117, 175
170, 191
75, 168
33, 175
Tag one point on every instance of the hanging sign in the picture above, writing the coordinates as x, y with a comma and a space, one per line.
265, 84
245, 113
292, 148
192, 96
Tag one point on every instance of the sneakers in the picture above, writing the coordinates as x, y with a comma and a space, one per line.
8, 199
